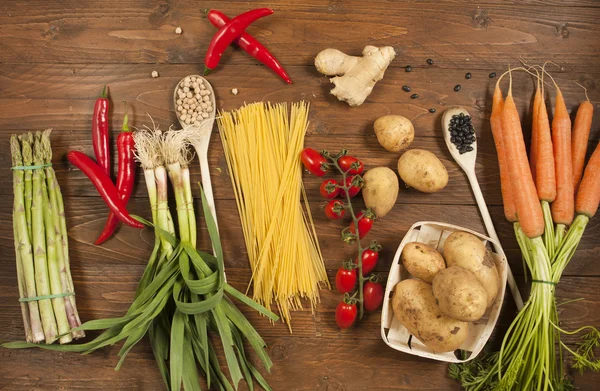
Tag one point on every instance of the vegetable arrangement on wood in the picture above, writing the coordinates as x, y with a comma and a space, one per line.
368, 295
98, 172
446, 292
181, 300
548, 236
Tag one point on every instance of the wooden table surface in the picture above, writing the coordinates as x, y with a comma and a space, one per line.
55, 56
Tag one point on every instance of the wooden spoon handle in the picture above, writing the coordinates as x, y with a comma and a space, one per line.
489, 226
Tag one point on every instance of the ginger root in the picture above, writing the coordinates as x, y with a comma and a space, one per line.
355, 77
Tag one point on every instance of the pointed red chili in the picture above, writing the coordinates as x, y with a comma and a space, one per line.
100, 131
104, 185
125, 177
250, 45
225, 36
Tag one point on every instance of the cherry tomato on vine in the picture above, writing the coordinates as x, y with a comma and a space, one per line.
372, 296
353, 184
334, 210
329, 188
345, 315
365, 223
346, 162
314, 162
345, 280
369, 260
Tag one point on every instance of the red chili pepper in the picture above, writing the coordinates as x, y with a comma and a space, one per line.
100, 131
250, 45
225, 36
104, 185
125, 177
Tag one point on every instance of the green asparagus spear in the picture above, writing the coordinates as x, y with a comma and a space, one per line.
26, 145
39, 246
58, 217
23, 246
54, 268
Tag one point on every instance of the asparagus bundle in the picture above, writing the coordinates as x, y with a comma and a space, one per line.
40, 232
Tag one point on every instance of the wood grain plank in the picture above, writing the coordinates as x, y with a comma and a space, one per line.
299, 364
37, 95
456, 36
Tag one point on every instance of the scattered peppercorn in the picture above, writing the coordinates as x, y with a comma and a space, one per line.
414, 96
406, 88
429, 61
492, 75
432, 110
462, 132
468, 75
408, 68
457, 87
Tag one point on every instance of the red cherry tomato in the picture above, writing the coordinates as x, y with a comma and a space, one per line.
346, 162
369, 260
345, 280
334, 210
314, 162
365, 223
372, 296
345, 315
329, 188
353, 188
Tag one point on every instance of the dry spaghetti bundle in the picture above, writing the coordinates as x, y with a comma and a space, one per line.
262, 145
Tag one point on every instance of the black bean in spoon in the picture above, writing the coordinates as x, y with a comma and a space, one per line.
462, 133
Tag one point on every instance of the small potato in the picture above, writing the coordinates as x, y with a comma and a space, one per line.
394, 132
459, 294
422, 170
415, 308
467, 251
380, 190
422, 261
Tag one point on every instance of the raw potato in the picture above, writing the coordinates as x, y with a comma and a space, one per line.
459, 294
380, 190
394, 132
467, 251
422, 170
414, 306
422, 261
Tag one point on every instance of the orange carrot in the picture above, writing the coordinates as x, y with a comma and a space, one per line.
510, 211
529, 209
545, 179
588, 195
563, 207
581, 134
533, 151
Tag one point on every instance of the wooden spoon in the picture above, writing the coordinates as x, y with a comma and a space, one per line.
466, 161
203, 132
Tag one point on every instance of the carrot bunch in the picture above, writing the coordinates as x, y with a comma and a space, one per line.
549, 198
